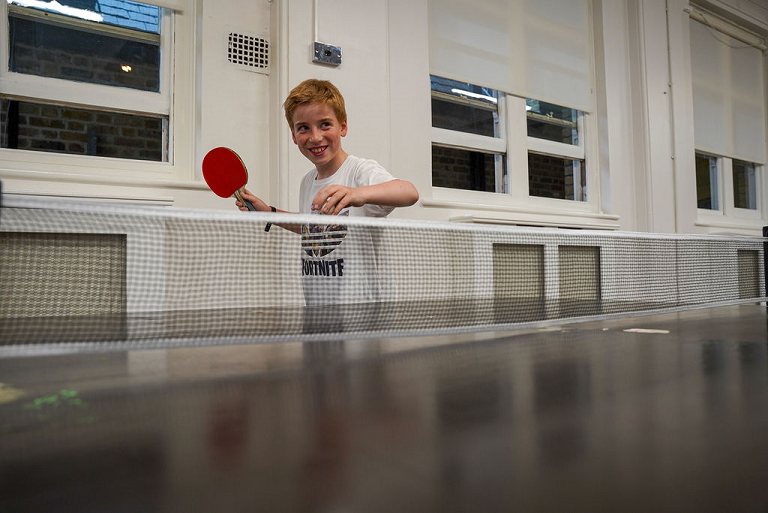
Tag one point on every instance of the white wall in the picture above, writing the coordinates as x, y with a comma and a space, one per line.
233, 102
643, 112
219, 104
663, 109
360, 29
645, 150
383, 77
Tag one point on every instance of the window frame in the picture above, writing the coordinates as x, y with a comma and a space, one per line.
728, 217
174, 100
749, 212
515, 144
87, 94
562, 150
496, 145
726, 195
719, 186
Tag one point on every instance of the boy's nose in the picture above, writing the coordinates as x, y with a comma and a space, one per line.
314, 135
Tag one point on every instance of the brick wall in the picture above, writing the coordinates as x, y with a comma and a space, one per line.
550, 177
62, 52
741, 190
68, 53
61, 129
461, 169
463, 118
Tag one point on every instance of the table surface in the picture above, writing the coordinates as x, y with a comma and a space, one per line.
577, 417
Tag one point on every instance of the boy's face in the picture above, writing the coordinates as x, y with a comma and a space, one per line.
317, 132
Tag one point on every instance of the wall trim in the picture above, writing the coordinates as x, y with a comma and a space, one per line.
99, 180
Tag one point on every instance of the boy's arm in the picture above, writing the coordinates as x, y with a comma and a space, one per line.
260, 206
394, 193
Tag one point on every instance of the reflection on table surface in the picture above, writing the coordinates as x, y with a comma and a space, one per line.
578, 417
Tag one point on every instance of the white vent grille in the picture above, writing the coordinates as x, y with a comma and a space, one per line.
249, 52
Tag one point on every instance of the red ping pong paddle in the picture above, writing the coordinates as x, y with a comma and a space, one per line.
225, 174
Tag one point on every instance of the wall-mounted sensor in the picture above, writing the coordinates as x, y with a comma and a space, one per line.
327, 54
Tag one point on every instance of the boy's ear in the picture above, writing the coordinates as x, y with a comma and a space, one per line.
344, 128
293, 136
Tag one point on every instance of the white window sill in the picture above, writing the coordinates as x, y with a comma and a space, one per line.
42, 197
740, 222
113, 180
509, 215
745, 227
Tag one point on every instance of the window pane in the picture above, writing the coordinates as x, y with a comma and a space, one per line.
557, 177
552, 122
51, 128
706, 182
118, 46
744, 185
468, 170
464, 107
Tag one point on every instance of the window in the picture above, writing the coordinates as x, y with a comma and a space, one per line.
707, 195
727, 187
465, 108
744, 185
522, 128
87, 44
552, 122
556, 163
728, 78
469, 143
468, 148
87, 77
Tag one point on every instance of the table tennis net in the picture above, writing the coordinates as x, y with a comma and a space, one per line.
94, 276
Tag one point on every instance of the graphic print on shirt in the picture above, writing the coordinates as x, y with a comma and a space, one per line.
319, 240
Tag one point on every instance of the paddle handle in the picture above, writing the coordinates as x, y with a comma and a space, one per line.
239, 197
250, 207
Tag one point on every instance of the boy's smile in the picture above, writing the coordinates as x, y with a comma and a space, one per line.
317, 132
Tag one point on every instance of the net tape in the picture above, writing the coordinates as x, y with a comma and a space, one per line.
85, 276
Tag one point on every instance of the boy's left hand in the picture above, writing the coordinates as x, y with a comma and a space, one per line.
334, 198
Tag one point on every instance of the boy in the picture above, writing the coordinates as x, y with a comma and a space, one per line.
340, 184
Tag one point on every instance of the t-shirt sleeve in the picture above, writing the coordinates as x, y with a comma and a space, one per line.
371, 172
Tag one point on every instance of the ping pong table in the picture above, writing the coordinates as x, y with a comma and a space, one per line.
659, 412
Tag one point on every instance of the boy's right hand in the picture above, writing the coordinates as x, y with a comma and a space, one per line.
256, 202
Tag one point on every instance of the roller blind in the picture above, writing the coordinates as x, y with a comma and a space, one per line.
728, 95
530, 48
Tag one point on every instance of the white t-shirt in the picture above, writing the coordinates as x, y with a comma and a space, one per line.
339, 263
